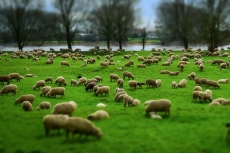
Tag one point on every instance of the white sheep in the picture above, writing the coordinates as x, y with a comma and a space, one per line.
208, 92
65, 63
158, 82
77, 125
214, 103
45, 90
9, 88
120, 97
203, 96
128, 100
14, 76
81, 81
56, 91
30, 75
100, 114
54, 122
27, 106
160, 105
147, 102
225, 102
103, 89
133, 84
136, 102
44, 105
113, 77
118, 94
223, 81
38, 84
154, 116
197, 88
174, 84
101, 105
73, 82
182, 83
27, 97
65, 108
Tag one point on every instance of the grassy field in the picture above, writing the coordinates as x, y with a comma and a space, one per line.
148, 40
192, 127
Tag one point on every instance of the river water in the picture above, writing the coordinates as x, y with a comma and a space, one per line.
86, 48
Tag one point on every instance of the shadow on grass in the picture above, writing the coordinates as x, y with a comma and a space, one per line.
81, 140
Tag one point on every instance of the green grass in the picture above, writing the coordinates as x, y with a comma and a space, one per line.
138, 40
192, 127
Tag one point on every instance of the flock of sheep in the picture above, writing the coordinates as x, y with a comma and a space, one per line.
61, 115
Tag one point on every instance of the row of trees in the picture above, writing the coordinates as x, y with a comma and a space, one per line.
26, 22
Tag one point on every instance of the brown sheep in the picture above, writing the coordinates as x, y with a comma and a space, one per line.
128, 74
151, 82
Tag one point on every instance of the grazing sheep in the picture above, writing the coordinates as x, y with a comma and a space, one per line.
101, 105
120, 97
5, 78
9, 88
27, 97
223, 81
197, 88
174, 73
147, 102
118, 90
90, 81
128, 100
133, 84
225, 102
181, 66
141, 65
45, 90
136, 102
56, 121
14, 76
174, 85
103, 89
48, 61
139, 84
128, 74
212, 83
195, 95
113, 77
182, 83
44, 105
118, 94
228, 129
56, 91
154, 116
217, 61
201, 67
148, 62
120, 83
223, 65
61, 81
100, 114
192, 76
203, 96
197, 81
158, 82
164, 72
219, 100
214, 103
98, 78
165, 64
151, 82
160, 105
90, 86
77, 125
82, 81
38, 84
66, 108
49, 80
27, 106
104, 64
140, 58
30, 75
65, 63
73, 82
208, 92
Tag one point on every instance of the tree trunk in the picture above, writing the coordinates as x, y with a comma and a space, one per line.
143, 43
185, 41
20, 47
68, 40
108, 44
120, 45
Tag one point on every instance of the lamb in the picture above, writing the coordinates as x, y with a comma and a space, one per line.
66, 108
56, 91
151, 82
98, 78
120, 68
73, 82
139, 84
128, 100
136, 102
61, 81
128, 74
160, 105
212, 83
158, 82
44, 105
65, 63
5, 78
114, 77
133, 84
228, 129
192, 76
38, 84
81, 126
140, 58
182, 83
30, 75
14, 76
103, 89
174, 73
27, 97
100, 114
155, 116
45, 90
164, 72
54, 122
101, 105
197, 88
82, 81
120, 83
90, 86
174, 84
27, 106
223, 81
49, 80
9, 88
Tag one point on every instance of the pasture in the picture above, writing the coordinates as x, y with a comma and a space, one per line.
191, 126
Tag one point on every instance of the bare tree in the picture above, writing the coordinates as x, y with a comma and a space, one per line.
143, 36
72, 14
20, 16
164, 34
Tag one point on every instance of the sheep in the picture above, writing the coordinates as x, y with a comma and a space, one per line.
133, 84
192, 76
9, 88
120, 83
120, 97
228, 130
195, 95
225, 102
48, 61
27, 106
158, 82
164, 72
223, 65
56, 91
223, 81
65, 63
151, 82
90, 81
212, 83
129, 63
100, 114
128, 74
82, 81
147, 102
136, 102
104, 64
73, 82
160, 105
103, 89
214, 103
154, 116
201, 67
203, 96
139, 84
148, 62
219, 100
217, 61
208, 92
182, 83
30, 75
90, 86
26, 97
118, 90
38, 84
5, 78
120, 68
113, 77
66, 108
197, 81
101, 105
14, 76
81, 126
45, 90
140, 58
128, 100
174, 84
197, 88
165, 64
61, 81
44, 105
54, 122
174, 73
98, 78
118, 94
49, 80
181, 66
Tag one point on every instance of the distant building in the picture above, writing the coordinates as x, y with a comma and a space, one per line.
151, 36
